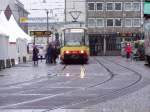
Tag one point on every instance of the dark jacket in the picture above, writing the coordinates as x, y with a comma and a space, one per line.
35, 54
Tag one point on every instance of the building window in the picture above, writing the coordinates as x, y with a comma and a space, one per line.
136, 6
99, 6
109, 6
91, 22
100, 22
110, 22
91, 6
128, 6
118, 6
128, 22
136, 22
118, 22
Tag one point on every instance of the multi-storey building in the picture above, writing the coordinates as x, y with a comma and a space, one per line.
109, 19
114, 15
108, 22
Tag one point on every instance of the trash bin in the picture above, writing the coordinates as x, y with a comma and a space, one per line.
2, 64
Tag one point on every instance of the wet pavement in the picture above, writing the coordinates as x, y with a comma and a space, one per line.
106, 84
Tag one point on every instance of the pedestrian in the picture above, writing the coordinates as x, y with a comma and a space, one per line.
128, 51
35, 55
54, 54
40, 54
49, 54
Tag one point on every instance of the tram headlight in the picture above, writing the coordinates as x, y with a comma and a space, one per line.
82, 52
67, 52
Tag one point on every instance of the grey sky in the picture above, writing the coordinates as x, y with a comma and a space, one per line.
38, 9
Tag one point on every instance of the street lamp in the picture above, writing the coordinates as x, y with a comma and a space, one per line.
123, 26
47, 12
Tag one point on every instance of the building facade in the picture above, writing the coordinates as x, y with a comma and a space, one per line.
114, 15
110, 21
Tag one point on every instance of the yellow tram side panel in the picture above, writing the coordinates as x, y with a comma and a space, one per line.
74, 48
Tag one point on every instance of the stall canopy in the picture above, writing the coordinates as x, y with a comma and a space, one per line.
8, 28
3, 43
2, 31
12, 29
18, 29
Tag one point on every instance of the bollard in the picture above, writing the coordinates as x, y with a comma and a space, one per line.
24, 59
19, 59
2, 64
13, 62
8, 63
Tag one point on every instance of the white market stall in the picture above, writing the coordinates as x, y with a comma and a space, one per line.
17, 39
3, 48
21, 42
12, 49
4, 43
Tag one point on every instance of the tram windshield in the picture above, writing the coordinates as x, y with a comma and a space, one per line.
74, 37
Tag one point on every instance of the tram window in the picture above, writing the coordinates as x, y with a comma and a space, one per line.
73, 43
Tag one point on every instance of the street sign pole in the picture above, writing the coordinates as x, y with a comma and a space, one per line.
47, 12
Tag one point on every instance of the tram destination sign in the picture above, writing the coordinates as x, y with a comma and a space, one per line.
40, 33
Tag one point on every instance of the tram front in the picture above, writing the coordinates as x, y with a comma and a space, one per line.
75, 45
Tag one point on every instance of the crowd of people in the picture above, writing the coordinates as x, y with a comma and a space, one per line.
51, 55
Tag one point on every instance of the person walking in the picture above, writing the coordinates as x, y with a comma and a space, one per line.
54, 54
35, 55
128, 51
49, 54
41, 54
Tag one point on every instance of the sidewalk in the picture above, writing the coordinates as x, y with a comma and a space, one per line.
26, 72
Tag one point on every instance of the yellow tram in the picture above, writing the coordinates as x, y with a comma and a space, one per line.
75, 45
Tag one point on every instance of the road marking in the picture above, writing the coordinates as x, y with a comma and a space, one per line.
82, 72
36, 100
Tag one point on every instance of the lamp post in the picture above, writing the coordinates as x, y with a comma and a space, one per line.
123, 26
47, 13
104, 41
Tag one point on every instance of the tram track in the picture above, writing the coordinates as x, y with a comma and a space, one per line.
39, 99
112, 74
84, 102
107, 94
109, 71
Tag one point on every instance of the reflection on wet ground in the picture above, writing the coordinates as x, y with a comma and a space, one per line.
103, 85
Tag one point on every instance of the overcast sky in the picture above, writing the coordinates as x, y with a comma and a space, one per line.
37, 8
